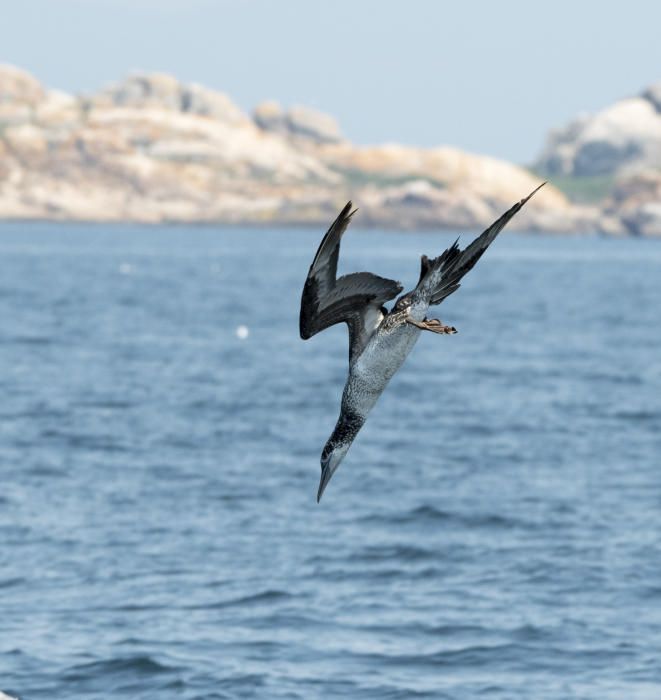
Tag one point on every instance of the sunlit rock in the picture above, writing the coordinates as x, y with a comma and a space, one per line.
153, 149
301, 122
623, 137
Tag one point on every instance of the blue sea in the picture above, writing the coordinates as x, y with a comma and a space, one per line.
494, 532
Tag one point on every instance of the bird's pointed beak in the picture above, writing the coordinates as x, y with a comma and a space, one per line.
326, 474
331, 459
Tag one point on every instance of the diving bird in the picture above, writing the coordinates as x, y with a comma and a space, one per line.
379, 340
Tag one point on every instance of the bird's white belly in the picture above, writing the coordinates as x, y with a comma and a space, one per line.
382, 357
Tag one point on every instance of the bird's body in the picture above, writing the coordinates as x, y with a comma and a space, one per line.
379, 340
383, 355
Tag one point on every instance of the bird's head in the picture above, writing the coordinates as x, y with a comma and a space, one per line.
331, 458
337, 447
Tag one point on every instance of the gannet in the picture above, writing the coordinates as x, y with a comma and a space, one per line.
379, 340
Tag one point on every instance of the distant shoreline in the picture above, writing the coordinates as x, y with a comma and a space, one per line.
313, 227
153, 150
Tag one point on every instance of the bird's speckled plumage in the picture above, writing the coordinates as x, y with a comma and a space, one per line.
379, 341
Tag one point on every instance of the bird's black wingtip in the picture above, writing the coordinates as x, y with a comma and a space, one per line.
348, 211
537, 189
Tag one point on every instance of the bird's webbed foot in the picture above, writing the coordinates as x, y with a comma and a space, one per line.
432, 324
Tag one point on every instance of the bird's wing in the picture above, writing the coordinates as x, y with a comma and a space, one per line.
442, 275
355, 299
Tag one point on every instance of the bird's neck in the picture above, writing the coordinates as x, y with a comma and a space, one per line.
346, 429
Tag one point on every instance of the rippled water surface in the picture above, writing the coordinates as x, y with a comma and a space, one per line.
495, 531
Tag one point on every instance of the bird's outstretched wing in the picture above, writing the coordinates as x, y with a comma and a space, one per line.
355, 299
440, 277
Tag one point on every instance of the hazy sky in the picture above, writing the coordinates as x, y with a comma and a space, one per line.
490, 77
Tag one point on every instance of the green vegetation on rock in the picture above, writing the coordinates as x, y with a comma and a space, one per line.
582, 189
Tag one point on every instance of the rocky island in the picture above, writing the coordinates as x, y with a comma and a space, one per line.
613, 158
152, 149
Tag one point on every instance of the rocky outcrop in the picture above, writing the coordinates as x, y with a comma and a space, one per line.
619, 148
636, 201
160, 91
417, 187
297, 122
622, 138
148, 149
152, 149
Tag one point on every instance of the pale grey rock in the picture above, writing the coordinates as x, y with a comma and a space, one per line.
623, 137
421, 204
17, 85
270, 116
166, 92
558, 154
297, 122
146, 90
636, 189
13, 114
644, 220
312, 124
653, 95
636, 201
611, 225
153, 149
200, 100
20, 94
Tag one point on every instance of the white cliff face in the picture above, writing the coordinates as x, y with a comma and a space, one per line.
151, 149
621, 138
620, 145
164, 92
147, 149
298, 122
